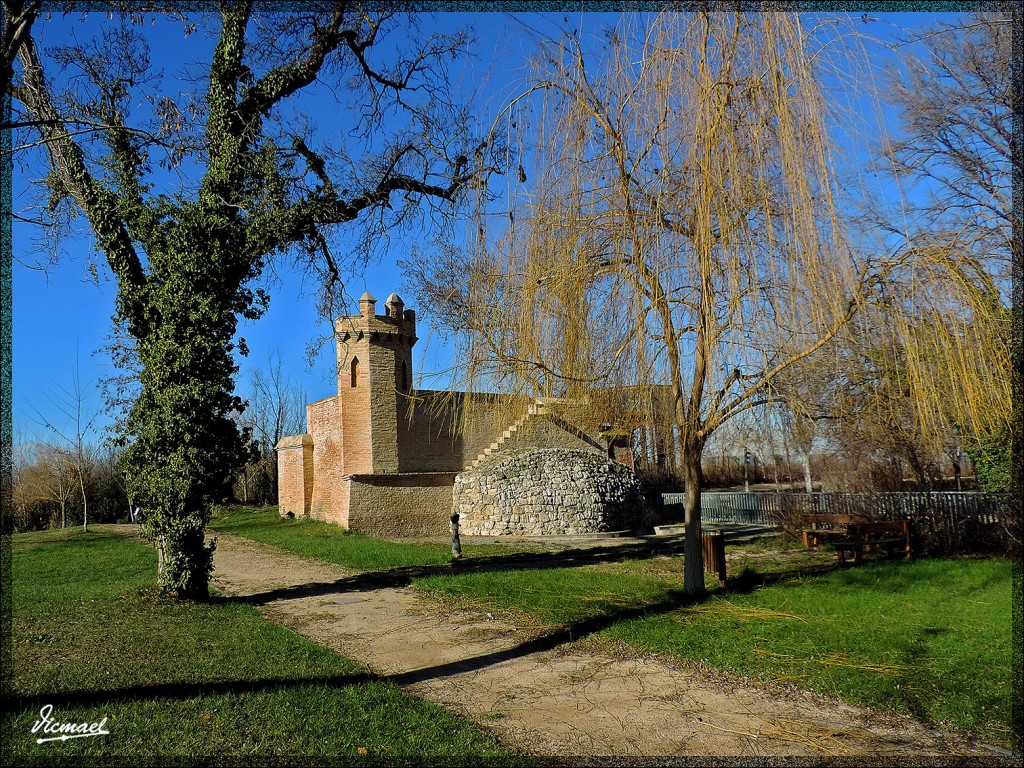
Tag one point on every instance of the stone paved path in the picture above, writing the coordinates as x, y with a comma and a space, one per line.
551, 700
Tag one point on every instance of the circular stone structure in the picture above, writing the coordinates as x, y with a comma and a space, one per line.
548, 492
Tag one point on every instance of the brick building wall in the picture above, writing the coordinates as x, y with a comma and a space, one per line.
426, 442
295, 474
383, 405
354, 405
325, 429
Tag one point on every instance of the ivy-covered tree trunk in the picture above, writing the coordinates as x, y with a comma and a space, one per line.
186, 446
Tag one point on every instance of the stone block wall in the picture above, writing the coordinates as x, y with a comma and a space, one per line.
549, 492
395, 506
542, 432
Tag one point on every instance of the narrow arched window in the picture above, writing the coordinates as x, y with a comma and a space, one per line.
354, 371
404, 381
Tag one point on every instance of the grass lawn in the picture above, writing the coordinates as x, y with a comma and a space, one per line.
930, 637
326, 542
186, 682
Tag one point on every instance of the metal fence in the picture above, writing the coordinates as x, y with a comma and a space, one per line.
939, 509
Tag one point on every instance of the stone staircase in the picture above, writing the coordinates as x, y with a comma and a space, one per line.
534, 410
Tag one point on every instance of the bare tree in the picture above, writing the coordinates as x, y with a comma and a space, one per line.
676, 226
54, 478
957, 102
22, 492
809, 399
276, 407
71, 434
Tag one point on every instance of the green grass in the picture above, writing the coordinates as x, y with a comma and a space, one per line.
324, 541
930, 638
561, 596
187, 682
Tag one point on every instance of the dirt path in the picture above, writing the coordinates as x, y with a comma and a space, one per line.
553, 701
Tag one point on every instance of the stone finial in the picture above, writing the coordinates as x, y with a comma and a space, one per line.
367, 304
394, 304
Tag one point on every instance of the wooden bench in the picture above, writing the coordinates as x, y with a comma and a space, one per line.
893, 536
828, 528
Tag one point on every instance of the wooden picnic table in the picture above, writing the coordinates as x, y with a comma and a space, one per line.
828, 528
890, 535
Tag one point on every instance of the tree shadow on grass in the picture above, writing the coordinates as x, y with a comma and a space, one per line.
178, 691
747, 581
404, 576
397, 578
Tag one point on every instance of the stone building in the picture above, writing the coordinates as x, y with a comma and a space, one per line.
381, 457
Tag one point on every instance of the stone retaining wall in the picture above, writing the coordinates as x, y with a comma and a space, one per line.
408, 504
548, 492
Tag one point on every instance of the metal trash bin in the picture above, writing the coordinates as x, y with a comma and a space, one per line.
713, 544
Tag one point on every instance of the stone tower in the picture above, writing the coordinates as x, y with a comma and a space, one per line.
374, 374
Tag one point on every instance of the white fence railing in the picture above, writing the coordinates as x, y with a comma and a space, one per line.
939, 508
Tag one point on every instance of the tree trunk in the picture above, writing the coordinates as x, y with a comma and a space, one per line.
920, 476
805, 460
693, 553
643, 446
161, 560
85, 503
184, 563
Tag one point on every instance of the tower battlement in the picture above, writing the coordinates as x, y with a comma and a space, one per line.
395, 322
374, 375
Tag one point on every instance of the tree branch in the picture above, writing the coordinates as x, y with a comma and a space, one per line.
19, 16
99, 204
286, 79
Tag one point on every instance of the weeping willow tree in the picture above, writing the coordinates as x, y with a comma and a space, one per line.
673, 236
952, 320
930, 366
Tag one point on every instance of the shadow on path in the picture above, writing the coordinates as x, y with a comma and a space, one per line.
403, 576
397, 578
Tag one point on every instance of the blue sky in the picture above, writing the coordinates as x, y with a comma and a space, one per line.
61, 315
